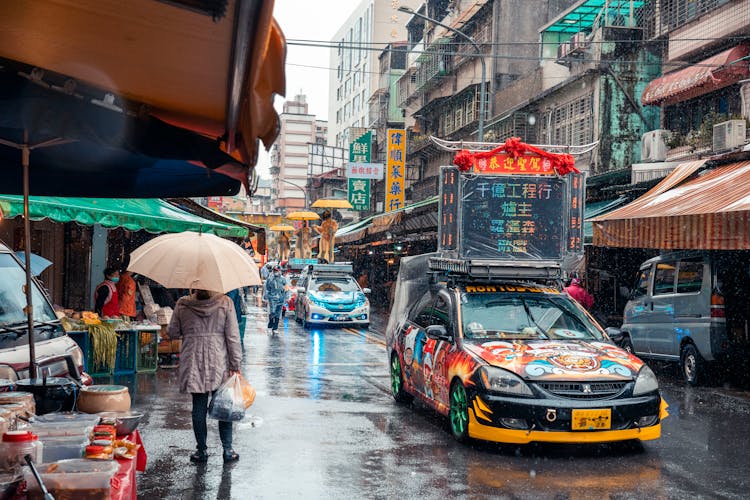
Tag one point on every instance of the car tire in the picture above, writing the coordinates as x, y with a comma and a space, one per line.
397, 381
627, 344
692, 365
458, 413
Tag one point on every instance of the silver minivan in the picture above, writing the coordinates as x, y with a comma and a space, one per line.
688, 307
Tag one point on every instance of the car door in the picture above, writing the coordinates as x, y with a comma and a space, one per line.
435, 352
412, 337
637, 310
662, 309
692, 304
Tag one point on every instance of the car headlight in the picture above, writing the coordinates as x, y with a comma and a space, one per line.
499, 380
645, 382
8, 373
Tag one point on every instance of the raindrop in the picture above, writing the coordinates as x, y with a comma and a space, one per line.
532, 473
532, 119
250, 421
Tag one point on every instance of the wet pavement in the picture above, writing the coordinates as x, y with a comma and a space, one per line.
324, 425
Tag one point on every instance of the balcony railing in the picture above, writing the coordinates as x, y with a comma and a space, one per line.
434, 63
662, 16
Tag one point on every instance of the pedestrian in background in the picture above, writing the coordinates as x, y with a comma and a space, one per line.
106, 302
211, 353
239, 309
577, 292
274, 293
126, 292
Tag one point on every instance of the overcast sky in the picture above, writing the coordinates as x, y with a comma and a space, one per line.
307, 67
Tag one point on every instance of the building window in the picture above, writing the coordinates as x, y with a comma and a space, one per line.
571, 123
338, 116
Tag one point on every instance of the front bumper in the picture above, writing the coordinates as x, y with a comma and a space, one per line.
320, 315
551, 420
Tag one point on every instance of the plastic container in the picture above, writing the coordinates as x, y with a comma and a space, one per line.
11, 412
75, 478
73, 418
63, 447
16, 445
17, 397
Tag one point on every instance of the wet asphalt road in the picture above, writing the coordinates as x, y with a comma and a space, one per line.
325, 426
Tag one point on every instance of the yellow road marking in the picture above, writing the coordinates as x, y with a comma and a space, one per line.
370, 338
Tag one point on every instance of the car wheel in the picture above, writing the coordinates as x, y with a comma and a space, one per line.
627, 345
691, 363
459, 412
397, 381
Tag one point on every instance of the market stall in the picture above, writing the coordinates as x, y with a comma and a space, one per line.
91, 454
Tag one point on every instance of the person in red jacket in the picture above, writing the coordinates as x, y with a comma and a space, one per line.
580, 294
106, 302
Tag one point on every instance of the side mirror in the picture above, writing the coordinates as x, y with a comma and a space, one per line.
366, 291
300, 289
438, 332
614, 333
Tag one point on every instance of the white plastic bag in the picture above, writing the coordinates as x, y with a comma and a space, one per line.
228, 404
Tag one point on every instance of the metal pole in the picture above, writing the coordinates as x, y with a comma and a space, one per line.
482, 86
25, 152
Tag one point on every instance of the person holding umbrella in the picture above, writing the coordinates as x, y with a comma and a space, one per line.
205, 320
274, 293
211, 352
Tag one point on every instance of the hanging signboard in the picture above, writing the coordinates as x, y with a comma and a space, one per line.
359, 194
448, 209
359, 170
513, 218
395, 169
365, 170
502, 163
575, 223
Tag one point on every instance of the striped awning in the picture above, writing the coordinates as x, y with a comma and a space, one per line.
710, 211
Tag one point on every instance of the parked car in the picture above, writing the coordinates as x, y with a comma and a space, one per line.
689, 307
516, 362
57, 354
328, 294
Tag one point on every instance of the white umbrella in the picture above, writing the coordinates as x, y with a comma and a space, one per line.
195, 261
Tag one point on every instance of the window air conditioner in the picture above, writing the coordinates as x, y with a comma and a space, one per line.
729, 134
654, 146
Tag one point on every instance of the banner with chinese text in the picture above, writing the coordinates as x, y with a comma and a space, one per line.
359, 194
395, 169
359, 153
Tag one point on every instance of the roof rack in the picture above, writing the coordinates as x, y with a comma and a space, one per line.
498, 269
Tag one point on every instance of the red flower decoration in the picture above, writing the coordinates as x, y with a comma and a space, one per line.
566, 164
514, 147
464, 160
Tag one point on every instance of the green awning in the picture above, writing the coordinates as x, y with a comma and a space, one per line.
595, 209
581, 16
152, 215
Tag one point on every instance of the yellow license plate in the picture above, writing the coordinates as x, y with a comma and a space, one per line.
584, 420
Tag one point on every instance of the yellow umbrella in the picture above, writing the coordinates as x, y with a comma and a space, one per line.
281, 227
302, 215
331, 203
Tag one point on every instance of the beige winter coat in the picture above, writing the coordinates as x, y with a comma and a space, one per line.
210, 341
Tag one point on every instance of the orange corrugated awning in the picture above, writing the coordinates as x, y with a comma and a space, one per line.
714, 73
708, 212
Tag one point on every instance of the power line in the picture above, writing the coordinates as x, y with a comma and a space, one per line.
536, 58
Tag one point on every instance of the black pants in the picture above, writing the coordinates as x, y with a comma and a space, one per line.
200, 411
274, 313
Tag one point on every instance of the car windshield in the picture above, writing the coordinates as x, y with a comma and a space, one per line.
12, 297
334, 284
524, 316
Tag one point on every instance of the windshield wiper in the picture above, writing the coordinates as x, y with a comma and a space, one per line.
531, 317
20, 326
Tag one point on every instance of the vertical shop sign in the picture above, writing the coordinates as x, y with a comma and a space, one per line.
395, 169
359, 194
359, 189
575, 224
448, 205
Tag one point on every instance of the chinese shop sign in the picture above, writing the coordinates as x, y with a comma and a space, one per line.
523, 165
522, 217
448, 215
395, 169
359, 194
575, 223
359, 170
